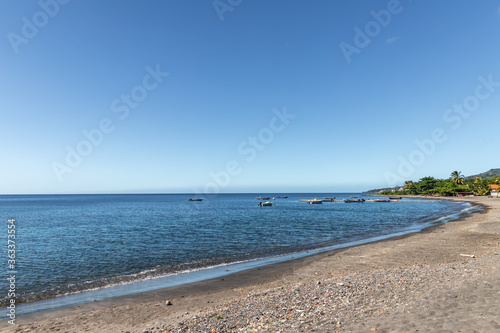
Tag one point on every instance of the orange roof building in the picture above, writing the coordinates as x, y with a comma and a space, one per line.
494, 187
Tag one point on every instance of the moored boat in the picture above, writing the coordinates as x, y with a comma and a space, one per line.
264, 204
314, 201
281, 197
262, 198
195, 199
354, 200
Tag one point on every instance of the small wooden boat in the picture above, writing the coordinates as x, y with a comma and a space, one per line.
264, 204
195, 199
354, 200
314, 201
395, 198
281, 197
262, 198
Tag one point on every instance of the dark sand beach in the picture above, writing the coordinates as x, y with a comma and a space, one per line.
444, 279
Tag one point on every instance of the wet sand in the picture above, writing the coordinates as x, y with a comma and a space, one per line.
420, 282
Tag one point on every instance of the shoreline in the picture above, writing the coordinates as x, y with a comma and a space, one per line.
136, 312
77, 298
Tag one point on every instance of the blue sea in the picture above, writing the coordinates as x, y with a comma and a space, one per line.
90, 247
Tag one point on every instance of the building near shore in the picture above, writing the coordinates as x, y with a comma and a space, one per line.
495, 190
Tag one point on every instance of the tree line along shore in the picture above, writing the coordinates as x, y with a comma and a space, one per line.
455, 185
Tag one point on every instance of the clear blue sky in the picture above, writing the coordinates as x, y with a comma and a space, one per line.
355, 83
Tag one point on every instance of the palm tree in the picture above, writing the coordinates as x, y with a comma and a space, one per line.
478, 180
408, 184
457, 177
482, 189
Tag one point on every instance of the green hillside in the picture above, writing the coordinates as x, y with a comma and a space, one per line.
492, 173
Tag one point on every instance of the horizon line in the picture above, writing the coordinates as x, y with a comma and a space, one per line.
175, 193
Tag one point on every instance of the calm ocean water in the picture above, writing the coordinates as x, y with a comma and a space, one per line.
72, 243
